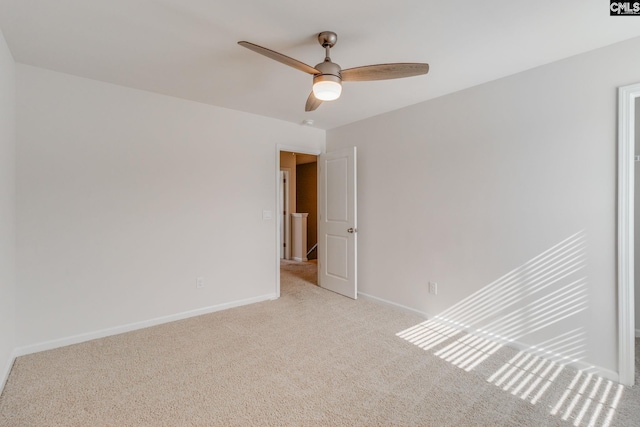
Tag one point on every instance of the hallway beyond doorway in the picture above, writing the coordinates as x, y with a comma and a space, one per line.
305, 270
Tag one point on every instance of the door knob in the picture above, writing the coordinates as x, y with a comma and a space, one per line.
351, 230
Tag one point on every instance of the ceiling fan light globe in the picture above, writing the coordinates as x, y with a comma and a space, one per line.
327, 90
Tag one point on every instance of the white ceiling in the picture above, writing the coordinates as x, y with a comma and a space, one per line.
188, 48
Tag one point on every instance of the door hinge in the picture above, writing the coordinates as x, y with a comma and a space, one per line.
636, 158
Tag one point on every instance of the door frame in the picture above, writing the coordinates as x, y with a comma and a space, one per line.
627, 96
293, 149
285, 225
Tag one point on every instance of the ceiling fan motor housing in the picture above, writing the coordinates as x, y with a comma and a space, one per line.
329, 71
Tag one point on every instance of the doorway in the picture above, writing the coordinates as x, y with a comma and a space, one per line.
297, 196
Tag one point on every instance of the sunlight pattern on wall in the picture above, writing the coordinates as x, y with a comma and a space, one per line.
546, 294
542, 292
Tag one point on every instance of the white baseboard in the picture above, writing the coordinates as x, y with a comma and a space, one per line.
4, 374
76, 339
393, 304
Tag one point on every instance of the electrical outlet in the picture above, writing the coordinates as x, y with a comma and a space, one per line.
200, 282
433, 288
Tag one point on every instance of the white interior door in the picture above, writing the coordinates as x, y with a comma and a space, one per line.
337, 222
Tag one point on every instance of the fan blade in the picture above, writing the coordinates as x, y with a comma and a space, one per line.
280, 57
312, 102
384, 71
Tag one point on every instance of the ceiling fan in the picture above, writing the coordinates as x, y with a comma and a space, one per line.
328, 76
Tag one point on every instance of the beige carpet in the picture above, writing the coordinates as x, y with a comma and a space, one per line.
311, 358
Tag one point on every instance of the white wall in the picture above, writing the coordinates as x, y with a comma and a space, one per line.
126, 197
468, 187
7, 209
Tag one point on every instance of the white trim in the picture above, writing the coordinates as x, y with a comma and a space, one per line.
293, 149
6, 371
393, 304
76, 339
626, 162
287, 216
